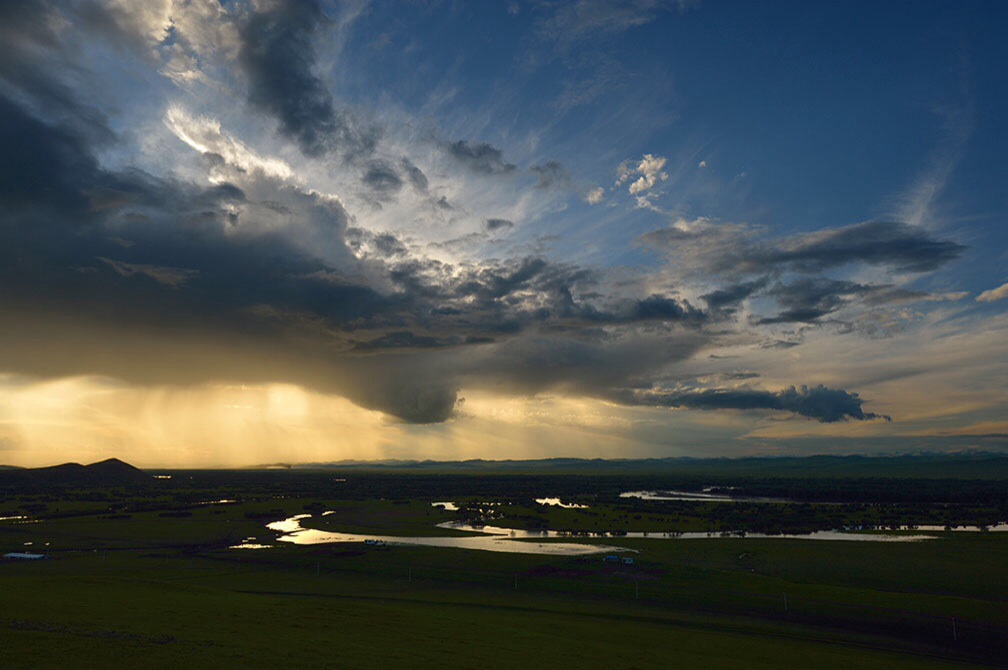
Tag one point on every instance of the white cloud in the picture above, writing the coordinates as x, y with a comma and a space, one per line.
644, 202
999, 293
917, 204
650, 171
205, 135
595, 196
152, 20
623, 172
183, 34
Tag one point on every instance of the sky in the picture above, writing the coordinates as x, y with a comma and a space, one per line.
248, 232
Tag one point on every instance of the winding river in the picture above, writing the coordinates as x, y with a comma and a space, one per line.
509, 540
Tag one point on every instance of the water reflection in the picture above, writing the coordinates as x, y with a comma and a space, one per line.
556, 502
288, 525
693, 495
251, 543
483, 541
511, 540
817, 535
996, 528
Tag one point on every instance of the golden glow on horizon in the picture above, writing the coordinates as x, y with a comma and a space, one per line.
89, 418
86, 419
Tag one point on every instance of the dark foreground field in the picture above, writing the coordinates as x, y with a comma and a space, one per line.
141, 576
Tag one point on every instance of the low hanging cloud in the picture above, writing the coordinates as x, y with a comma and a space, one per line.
823, 404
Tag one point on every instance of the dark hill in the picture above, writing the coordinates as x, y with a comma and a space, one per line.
111, 472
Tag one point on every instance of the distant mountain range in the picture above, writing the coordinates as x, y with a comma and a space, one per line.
110, 472
959, 465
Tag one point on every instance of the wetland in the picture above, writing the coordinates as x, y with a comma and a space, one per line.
213, 564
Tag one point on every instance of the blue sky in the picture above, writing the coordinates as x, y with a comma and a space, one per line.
253, 231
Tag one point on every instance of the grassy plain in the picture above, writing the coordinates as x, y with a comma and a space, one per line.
143, 577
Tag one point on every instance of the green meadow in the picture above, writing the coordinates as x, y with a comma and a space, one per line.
145, 578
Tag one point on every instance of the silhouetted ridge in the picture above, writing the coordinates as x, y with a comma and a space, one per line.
110, 472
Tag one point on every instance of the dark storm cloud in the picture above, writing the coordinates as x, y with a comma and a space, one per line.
415, 175
590, 363
728, 299
823, 404
886, 294
810, 299
406, 340
365, 243
492, 298
551, 175
515, 296
480, 157
899, 245
278, 58
157, 281
494, 225
734, 250
154, 280
664, 308
72, 228
382, 178
780, 344
35, 64
416, 403
41, 164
